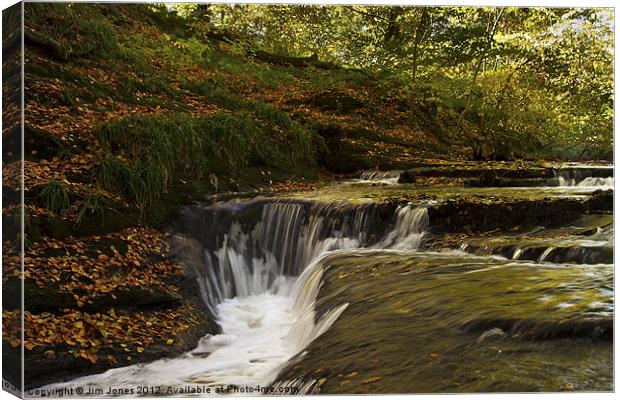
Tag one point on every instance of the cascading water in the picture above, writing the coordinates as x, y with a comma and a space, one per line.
587, 182
586, 177
381, 176
264, 261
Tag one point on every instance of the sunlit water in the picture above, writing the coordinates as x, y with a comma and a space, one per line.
451, 322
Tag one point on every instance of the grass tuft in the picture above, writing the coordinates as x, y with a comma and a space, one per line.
170, 147
54, 196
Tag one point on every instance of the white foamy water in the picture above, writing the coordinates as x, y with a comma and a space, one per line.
259, 334
267, 316
589, 182
375, 176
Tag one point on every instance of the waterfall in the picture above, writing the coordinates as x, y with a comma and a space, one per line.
601, 176
587, 182
546, 253
597, 182
260, 243
252, 247
381, 176
408, 231
264, 264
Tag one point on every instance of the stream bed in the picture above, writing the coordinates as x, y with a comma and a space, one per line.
374, 286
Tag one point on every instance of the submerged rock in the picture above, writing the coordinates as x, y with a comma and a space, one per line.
494, 333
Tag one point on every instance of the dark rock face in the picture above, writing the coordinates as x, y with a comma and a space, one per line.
584, 172
503, 176
486, 176
39, 299
407, 176
601, 201
342, 158
110, 218
468, 216
189, 252
493, 181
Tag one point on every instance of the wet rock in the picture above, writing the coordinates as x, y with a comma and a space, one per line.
344, 158
580, 173
49, 354
470, 215
407, 176
488, 178
601, 201
491, 334
543, 253
189, 252
509, 182
486, 175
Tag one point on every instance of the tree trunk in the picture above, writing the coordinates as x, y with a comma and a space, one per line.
419, 35
491, 34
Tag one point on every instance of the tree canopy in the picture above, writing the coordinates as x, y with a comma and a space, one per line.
492, 76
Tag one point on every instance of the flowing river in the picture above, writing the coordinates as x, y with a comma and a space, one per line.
341, 291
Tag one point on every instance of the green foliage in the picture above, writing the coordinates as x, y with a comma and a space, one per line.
88, 91
91, 204
270, 113
533, 79
163, 149
185, 49
78, 27
216, 93
113, 174
54, 196
237, 60
540, 85
130, 86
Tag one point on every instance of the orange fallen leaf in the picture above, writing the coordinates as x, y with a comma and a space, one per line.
371, 379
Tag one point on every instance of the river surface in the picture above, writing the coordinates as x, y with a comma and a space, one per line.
329, 292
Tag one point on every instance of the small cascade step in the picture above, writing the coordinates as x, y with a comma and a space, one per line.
554, 254
392, 176
587, 240
526, 176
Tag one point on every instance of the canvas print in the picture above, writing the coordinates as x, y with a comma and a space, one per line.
258, 199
